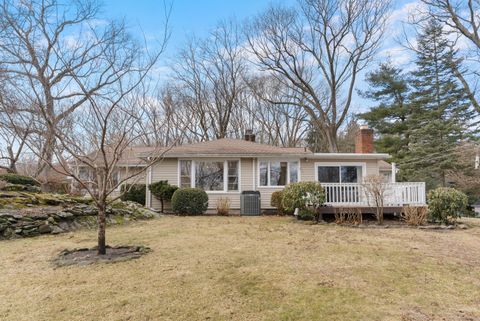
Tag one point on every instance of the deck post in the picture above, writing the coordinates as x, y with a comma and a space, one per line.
394, 173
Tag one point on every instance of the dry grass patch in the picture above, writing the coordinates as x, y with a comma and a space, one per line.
248, 268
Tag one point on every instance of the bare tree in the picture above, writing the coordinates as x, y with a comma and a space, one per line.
463, 17
375, 188
318, 51
52, 55
84, 92
210, 74
275, 124
12, 141
164, 118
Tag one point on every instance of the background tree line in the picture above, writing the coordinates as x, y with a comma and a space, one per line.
289, 74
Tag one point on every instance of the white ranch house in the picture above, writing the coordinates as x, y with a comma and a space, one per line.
226, 167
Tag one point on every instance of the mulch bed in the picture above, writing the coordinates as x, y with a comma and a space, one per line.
86, 256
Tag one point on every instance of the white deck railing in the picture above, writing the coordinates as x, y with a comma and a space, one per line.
395, 194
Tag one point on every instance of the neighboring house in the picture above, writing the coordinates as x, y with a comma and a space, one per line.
476, 208
128, 164
226, 167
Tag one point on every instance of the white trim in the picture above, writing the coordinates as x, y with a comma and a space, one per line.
119, 177
269, 160
347, 156
253, 175
148, 178
339, 164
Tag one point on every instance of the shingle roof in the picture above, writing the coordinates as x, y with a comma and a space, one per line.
384, 166
226, 147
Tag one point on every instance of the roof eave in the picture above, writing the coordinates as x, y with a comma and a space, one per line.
349, 156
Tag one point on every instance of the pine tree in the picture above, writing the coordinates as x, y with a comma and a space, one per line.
440, 109
389, 88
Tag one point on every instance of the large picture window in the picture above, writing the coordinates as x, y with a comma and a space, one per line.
277, 173
210, 175
339, 174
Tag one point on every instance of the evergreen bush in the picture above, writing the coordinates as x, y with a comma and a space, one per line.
133, 192
446, 204
162, 191
19, 179
189, 201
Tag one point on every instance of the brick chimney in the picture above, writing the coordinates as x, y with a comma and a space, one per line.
364, 140
249, 135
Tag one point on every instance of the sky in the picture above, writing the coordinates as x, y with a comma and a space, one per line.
145, 18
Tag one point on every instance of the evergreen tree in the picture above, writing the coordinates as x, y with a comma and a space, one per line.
440, 110
389, 88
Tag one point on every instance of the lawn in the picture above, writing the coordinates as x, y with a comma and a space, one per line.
248, 268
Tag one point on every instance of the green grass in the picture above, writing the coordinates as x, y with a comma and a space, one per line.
248, 268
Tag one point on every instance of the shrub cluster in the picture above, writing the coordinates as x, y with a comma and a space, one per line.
133, 192
189, 201
223, 206
306, 196
19, 179
414, 215
276, 200
445, 204
162, 191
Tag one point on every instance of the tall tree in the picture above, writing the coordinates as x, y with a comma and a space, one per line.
210, 73
441, 113
389, 88
463, 17
317, 50
55, 56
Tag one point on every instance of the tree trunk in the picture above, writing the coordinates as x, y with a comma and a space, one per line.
101, 229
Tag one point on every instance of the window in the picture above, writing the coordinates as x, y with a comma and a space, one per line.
339, 174
293, 172
232, 175
185, 173
276, 173
210, 175
263, 173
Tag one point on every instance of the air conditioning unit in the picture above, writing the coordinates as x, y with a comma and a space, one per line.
250, 203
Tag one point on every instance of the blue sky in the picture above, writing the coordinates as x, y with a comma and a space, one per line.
189, 17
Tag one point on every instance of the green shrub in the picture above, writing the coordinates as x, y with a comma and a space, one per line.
445, 204
189, 201
162, 191
133, 192
19, 179
303, 195
306, 214
276, 201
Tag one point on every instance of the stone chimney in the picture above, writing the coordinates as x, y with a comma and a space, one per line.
364, 140
249, 135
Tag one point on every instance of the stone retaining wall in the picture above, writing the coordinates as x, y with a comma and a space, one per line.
54, 220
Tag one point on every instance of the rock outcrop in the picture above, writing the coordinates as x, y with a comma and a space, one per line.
25, 215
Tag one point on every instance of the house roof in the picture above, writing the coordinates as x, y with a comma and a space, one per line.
226, 147
242, 148
384, 166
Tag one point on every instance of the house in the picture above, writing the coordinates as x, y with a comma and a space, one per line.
476, 208
127, 165
226, 167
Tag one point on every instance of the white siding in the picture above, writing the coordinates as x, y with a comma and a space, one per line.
168, 170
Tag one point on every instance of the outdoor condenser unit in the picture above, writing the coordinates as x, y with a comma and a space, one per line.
250, 203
